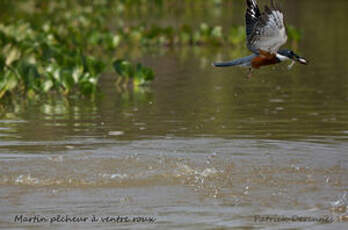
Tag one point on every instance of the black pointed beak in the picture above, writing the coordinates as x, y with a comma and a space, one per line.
301, 60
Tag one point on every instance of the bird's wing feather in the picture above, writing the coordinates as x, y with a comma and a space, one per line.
269, 32
252, 15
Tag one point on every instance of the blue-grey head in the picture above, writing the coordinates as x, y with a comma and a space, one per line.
285, 54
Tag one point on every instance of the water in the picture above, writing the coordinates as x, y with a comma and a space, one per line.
202, 148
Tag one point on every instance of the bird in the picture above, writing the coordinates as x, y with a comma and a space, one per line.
266, 33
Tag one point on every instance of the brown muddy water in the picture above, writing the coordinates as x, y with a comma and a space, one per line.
201, 148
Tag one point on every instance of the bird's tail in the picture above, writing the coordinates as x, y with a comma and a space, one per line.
245, 61
225, 64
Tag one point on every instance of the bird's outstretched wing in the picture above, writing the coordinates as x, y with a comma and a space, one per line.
265, 31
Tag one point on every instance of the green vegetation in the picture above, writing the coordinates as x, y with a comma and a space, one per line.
139, 74
65, 46
34, 61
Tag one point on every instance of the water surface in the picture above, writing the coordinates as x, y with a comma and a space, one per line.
202, 148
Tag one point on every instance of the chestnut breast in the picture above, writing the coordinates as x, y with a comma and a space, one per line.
264, 59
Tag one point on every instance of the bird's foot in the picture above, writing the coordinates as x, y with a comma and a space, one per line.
291, 65
250, 73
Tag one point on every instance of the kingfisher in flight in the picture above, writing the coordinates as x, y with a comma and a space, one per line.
265, 35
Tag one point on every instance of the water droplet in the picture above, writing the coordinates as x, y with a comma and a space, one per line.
115, 133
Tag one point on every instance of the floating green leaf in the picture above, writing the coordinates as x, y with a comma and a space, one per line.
139, 74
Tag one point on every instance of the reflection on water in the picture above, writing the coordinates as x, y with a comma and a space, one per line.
201, 148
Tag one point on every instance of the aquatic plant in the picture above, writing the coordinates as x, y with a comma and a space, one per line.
138, 74
33, 61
